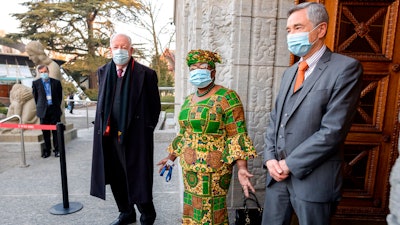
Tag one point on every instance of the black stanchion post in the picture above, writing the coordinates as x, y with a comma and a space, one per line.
66, 207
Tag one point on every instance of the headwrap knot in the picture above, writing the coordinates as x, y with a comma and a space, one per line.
203, 56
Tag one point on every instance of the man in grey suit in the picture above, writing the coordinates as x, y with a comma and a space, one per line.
309, 123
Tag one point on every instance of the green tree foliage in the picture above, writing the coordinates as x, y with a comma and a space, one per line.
73, 27
92, 94
84, 66
78, 28
165, 77
67, 88
82, 29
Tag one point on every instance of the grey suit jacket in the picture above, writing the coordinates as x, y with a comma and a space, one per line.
317, 126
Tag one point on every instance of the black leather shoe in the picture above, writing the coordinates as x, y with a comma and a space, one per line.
56, 154
45, 154
125, 218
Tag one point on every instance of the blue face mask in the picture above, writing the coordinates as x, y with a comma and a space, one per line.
200, 78
44, 76
299, 43
120, 56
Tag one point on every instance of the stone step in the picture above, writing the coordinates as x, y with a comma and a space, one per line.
14, 154
164, 135
33, 143
14, 135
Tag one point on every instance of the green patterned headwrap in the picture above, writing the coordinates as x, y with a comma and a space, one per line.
203, 56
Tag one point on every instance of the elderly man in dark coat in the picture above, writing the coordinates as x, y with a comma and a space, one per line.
127, 113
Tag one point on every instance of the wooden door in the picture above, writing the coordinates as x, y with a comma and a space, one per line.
370, 32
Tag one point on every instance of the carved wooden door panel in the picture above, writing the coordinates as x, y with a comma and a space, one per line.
369, 31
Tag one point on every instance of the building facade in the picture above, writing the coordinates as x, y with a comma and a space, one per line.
251, 38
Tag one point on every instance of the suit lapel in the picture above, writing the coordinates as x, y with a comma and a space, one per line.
286, 83
42, 91
52, 90
41, 86
312, 79
137, 81
102, 76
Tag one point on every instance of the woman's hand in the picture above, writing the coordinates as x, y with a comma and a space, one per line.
162, 163
244, 177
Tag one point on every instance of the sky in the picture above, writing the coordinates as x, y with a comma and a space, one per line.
10, 25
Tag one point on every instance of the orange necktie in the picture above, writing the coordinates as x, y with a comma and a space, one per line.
303, 66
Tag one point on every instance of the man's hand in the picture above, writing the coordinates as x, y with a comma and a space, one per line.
284, 167
276, 171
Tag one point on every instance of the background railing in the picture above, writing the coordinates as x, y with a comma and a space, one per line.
23, 158
164, 92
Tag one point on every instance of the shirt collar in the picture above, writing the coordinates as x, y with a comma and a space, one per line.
123, 70
313, 60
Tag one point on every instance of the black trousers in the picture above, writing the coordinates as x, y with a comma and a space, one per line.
71, 105
119, 186
50, 119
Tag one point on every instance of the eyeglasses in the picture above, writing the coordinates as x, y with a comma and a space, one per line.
201, 66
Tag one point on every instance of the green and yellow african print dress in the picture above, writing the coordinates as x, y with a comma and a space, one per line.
212, 137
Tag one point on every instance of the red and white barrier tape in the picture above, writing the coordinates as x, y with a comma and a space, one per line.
28, 126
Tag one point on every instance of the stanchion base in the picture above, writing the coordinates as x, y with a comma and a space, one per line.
60, 210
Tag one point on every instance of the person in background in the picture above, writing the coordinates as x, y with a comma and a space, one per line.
212, 139
127, 113
48, 96
71, 102
37, 54
309, 123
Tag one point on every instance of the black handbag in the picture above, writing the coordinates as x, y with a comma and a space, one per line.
249, 216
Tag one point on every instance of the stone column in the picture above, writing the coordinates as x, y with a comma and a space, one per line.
394, 202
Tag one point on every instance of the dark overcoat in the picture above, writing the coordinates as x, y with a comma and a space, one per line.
143, 111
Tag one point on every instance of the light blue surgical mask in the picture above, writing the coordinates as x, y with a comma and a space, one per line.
200, 78
44, 76
120, 56
299, 43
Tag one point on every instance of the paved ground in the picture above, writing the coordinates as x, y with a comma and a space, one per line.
28, 194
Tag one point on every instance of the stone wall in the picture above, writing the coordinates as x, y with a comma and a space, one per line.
251, 38
394, 202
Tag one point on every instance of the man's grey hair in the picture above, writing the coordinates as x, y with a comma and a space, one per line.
39, 67
316, 12
121, 34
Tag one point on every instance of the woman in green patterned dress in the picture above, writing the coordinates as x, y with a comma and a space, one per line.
212, 138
